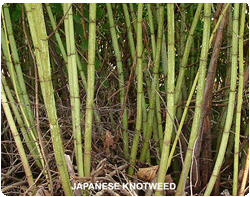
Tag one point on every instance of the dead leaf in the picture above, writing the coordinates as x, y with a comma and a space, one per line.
108, 140
147, 174
168, 179
42, 192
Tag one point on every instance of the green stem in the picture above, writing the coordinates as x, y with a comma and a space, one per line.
199, 99
186, 52
155, 82
18, 81
138, 127
231, 101
16, 137
121, 78
170, 99
73, 86
39, 35
239, 104
129, 29
90, 90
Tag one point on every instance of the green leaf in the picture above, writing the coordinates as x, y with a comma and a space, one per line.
77, 19
98, 64
85, 45
17, 13
99, 12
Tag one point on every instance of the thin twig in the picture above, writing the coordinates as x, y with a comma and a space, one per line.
58, 25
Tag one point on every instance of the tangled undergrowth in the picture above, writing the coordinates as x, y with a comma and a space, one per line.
112, 160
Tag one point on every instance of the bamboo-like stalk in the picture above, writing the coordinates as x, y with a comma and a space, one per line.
144, 108
139, 91
23, 91
182, 121
226, 94
231, 101
155, 82
199, 98
170, 99
186, 52
19, 87
16, 137
243, 158
27, 135
218, 22
79, 65
239, 100
16, 113
180, 50
90, 90
179, 39
159, 121
39, 35
121, 78
57, 35
157, 97
129, 29
7, 27
164, 59
191, 70
73, 86
84, 81
134, 21
153, 45
245, 176
152, 29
